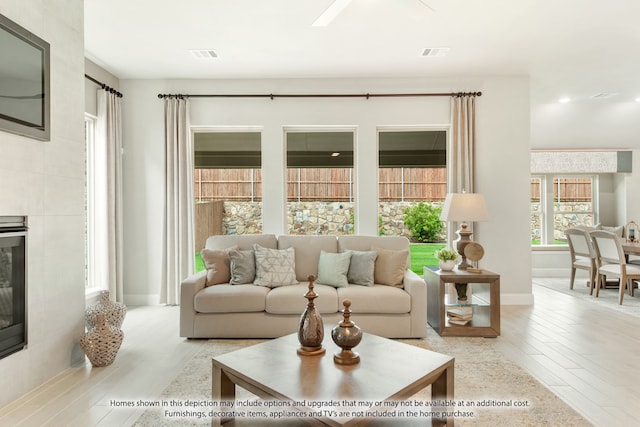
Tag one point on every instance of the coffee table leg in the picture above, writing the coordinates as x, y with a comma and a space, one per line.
442, 389
222, 389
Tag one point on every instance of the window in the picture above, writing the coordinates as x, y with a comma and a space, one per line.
320, 182
412, 167
559, 202
96, 206
228, 183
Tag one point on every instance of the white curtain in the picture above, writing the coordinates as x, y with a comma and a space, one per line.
463, 136
109, 135
178, 241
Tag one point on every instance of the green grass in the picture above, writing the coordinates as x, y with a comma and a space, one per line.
199, 262
421, 255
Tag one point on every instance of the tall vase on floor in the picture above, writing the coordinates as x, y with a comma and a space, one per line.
114, 312
102, 342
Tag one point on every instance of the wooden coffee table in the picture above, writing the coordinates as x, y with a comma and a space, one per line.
388, 371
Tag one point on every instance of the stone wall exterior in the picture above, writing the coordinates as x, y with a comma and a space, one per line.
326, 218
574, 215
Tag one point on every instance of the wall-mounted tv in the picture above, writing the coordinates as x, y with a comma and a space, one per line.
24, 81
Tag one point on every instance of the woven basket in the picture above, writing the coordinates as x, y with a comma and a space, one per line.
101, 344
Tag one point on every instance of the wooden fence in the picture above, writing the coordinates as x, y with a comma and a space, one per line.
570, 189
332, 184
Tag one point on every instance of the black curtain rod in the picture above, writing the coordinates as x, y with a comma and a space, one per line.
103, 86
332, 95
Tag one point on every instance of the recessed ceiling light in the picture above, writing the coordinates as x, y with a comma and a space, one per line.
638, 99
564, 100
336, 154
435, 51
203, 53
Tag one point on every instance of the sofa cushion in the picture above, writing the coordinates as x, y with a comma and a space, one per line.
376, 299
231, 299
333, 268
390, 266
243, 267
307, 250
366, 243
274, 267
291, 300
217, 263
361, 267
242, 241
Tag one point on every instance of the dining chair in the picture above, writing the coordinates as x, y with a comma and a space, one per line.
611, 262
583, 255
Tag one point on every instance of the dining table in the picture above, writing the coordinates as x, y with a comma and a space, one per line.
631, 248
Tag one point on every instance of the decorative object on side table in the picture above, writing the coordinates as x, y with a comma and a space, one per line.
102, 342
631, 231
474, 253
346, 335
311, 328
114, 312
447, 258
464, 207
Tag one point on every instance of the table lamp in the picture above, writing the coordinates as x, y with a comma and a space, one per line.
463, 207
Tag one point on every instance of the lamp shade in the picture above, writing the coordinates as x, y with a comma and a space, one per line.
464, 207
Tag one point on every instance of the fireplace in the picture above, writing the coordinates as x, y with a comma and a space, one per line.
13, 284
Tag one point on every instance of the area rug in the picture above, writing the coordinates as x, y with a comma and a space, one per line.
482, 375
608, 298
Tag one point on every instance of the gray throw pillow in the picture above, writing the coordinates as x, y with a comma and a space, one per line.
243, 267
332, 269
361, 267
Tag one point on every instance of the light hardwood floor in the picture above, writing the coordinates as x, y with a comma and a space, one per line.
587, 354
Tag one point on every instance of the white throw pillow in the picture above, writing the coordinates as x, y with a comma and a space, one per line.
274, 267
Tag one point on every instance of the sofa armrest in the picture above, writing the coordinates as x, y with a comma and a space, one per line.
189, 287
417, 289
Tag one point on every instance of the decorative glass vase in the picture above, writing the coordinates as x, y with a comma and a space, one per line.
102, 342
346, 335
311, 328
114, 312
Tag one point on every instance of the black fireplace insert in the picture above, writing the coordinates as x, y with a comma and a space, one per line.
13, 284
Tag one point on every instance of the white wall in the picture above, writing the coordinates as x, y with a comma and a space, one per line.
45, 180
503, 153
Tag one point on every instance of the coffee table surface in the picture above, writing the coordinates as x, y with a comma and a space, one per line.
387, 370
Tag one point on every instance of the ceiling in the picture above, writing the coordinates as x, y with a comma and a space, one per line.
573, 48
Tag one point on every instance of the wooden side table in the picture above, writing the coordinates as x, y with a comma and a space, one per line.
484, 302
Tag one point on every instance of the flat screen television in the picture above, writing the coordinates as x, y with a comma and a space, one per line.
24, 81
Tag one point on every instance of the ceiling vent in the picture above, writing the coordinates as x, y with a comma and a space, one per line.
603, 95
204, 53
435, 51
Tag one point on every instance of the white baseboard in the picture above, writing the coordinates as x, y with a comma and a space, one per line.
141, 299
550, 272
516, 299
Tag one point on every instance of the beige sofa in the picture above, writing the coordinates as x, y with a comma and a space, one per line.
252, 311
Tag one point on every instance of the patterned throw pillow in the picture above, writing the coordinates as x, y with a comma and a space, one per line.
217, 263
274, 267
361, 267
332, 269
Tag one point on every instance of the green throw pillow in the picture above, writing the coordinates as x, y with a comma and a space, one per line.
333, 268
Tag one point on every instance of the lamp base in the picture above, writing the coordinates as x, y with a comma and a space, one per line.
465, 239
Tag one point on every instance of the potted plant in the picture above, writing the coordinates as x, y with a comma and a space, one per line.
447, 258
